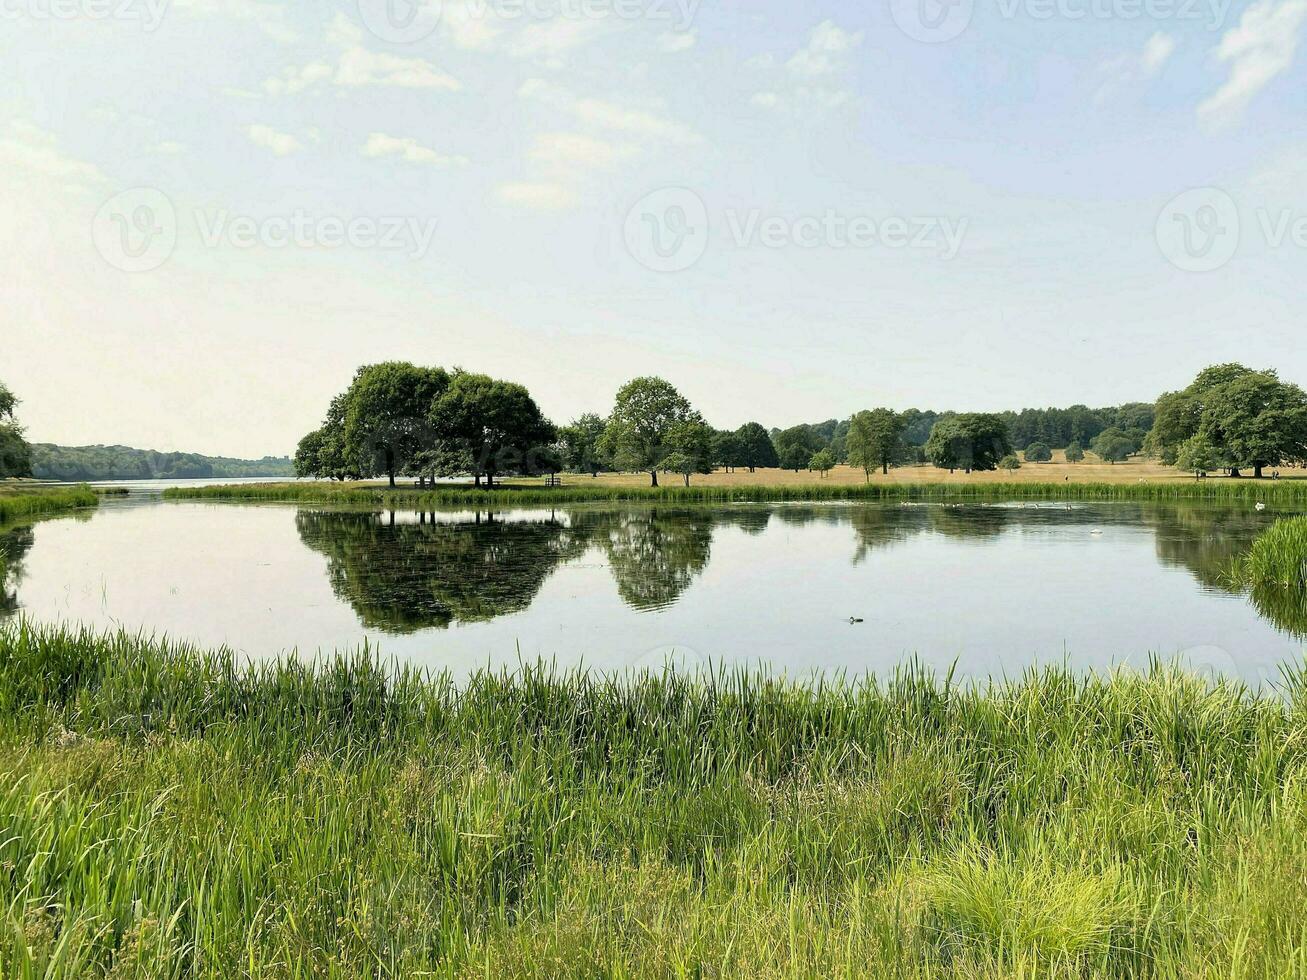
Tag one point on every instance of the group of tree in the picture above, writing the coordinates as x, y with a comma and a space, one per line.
15, 454
400, 419
1234, 418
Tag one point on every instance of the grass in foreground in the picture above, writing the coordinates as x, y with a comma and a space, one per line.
166, 813
28, 501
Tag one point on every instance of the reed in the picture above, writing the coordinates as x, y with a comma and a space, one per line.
1285, 493
166, 812
28, 502
1278, 557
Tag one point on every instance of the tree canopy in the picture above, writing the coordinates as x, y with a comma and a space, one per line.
1038, 452
875, 440
1247, 418
972, 441
643, 417
497, 423
757, 451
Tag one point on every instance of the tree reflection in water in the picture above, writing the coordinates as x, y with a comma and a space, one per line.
403, 573
15, 543
412, 572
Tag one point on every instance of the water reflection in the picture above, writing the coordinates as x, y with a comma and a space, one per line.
406, 572
402, 574
15, 543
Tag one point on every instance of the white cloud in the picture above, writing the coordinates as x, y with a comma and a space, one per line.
1132, 68
811, 76
825, 52
281, 144
551, 38
359, 66
644, 123
169, 147
537, 196
674, 41
575, 151
409, 150
1259, 49
29, 150
294, 80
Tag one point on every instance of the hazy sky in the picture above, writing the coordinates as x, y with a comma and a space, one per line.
212, 211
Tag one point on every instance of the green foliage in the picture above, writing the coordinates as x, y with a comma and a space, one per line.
757, 451
875, 440
642, 420
1038, 452
387, 415
968, 442
822, 462
1113, 445
85, 463
580, 445
727, 450
1278, 557
497, 424
1198, 454
172, 813
15, 453
1250, 418
1009, 462
1075, 453
795, 446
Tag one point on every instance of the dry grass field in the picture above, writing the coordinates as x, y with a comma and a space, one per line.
1092, 470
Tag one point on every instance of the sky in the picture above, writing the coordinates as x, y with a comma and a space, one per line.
213, 211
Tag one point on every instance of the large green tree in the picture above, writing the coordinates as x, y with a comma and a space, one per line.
15, 454
496, 423
972, 441
757, 449
645, 414
875, 440
1249, 418
387, 415
796, 445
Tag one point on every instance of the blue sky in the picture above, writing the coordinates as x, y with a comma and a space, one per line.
216, 209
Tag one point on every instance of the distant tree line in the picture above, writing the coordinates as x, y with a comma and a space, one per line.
78, 463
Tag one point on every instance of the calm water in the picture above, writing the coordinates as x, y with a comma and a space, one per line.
992, 588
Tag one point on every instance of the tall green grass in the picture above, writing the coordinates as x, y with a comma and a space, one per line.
31, 502
171, 813
1284, 492
1278, 557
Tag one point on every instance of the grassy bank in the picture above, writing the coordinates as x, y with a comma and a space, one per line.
28, 501
1283, 492
169, 813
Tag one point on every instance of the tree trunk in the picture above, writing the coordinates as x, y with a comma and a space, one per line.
1235, 474
1257, 471
884, 468
687, 479
476, 480
653, 477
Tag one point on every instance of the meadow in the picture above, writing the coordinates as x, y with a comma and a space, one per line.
166, 812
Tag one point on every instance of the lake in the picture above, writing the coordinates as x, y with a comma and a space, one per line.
990, 588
